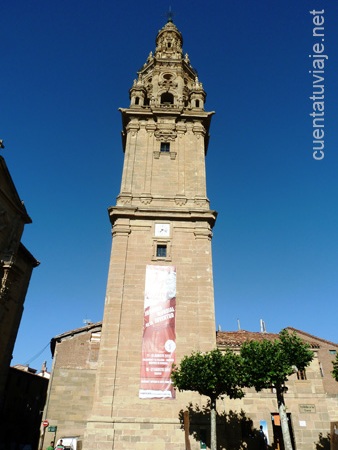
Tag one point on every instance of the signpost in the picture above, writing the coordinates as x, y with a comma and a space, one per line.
51, 429
45, 424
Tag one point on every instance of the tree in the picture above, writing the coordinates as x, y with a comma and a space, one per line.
335, 368
212, 374
269, 364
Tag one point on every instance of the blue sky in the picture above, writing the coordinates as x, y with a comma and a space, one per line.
67, 67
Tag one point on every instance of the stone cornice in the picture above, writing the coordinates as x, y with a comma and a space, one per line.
188, 214
134, 115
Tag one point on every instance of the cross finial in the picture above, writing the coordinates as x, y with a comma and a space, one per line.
170, 15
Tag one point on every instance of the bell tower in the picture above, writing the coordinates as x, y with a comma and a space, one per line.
159, 303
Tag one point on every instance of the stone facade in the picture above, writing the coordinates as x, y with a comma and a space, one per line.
311, 399
162, 219
71, 387
16, 265
312, 411
326, 354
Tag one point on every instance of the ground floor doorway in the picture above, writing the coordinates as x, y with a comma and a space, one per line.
277, 431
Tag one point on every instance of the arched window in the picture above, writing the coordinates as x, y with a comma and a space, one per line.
197, 103
167, 99
137, 100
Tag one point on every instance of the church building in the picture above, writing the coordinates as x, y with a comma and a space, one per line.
110, 385
16, 267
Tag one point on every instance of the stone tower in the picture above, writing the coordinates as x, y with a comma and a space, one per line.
160, 302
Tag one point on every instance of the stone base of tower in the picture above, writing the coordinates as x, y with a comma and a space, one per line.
148, 425
136, 435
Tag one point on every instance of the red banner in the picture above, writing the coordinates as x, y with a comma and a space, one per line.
159, 333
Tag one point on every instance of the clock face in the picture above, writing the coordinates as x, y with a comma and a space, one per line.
162, 229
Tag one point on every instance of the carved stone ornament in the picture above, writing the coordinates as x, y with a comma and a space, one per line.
121, 229
5, 287
167, 84
150, 127
198, 130
203, 233
165, 135
124, 199
200, 202
146, 199
181, 129
133, 127
180, 201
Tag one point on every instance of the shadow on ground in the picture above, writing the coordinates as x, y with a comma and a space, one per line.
324, 442
235, 431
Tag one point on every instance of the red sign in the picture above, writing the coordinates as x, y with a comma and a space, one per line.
45, 423
159, 335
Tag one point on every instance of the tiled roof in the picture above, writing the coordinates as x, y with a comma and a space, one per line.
311, 336
234, 339
71, 333
88, 327
24, 368
237, 338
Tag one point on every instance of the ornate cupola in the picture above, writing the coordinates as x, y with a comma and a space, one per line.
167, 79
166, 119
169, 42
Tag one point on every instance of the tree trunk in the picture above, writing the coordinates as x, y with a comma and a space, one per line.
213, 436
186, 419
283, 418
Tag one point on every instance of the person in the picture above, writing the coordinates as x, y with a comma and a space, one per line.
263, 442
51, 446
60, 445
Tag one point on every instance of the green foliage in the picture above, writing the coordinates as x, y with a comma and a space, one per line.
270, 363
335, 368
213, 374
